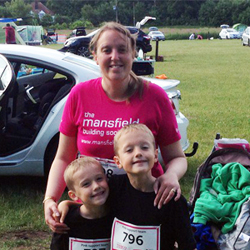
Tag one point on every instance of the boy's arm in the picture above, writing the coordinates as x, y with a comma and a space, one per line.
63, 208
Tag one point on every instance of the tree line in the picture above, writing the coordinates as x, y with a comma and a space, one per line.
70, 13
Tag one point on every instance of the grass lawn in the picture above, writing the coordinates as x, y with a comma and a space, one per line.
214, 77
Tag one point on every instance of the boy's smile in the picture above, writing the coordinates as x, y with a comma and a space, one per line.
136, 153
91, 186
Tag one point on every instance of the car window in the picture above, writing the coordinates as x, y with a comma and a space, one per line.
26, 69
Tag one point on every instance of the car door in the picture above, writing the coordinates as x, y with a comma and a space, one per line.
246, 36
35, 92
7, 82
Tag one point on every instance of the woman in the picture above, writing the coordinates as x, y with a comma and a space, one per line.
96, 109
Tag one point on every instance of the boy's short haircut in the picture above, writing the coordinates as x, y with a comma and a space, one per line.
129, 128
74, 166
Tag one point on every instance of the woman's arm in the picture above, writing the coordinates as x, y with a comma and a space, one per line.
176, 166
66, 153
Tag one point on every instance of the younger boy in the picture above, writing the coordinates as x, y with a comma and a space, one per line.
90, 223
138, 223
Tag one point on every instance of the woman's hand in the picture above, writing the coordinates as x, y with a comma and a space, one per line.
66, 153
166, 187
52, 217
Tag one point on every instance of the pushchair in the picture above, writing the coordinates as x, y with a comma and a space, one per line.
220, 197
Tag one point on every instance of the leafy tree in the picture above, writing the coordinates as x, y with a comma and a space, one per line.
61, 19
205, 13
98, 14
46, 21
241, 12
70, 8
80, 23
125, 12
59, 7
244, 16
17, 8
4, 12
167, 12
140, 11
223, 12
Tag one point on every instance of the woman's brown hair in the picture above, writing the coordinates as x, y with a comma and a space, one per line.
136, 82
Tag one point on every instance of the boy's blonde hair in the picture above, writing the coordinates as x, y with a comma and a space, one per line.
74, 166
128, 128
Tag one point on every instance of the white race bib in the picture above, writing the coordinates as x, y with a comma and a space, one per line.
81, 244
109, 166
126, 236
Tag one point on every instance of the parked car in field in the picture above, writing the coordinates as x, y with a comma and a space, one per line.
224, 26
79, 31
80, 45
31, 111
246, 37
229, 33
156, 35
152, 28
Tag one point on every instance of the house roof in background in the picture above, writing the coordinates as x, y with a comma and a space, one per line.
38, 6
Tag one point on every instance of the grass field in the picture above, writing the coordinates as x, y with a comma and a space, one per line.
214, 77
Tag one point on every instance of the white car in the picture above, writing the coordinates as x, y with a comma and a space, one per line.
229, 33
31, 111
156, 35
152, 28
246, 37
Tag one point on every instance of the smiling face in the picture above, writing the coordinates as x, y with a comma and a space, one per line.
90, 186
136, 152
114, 55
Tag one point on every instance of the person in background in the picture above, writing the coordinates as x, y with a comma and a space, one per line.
96, 109
192, 36
10, 36
89, 221
132, 194
199, 37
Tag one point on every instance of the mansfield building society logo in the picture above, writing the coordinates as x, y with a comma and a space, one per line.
103, 128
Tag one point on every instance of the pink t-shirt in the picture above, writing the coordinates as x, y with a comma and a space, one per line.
10, 37
94, 118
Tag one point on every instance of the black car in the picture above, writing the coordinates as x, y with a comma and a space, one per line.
79, 31
80, 44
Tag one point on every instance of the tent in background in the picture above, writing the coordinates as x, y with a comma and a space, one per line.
240, 27
11, 21
31, 35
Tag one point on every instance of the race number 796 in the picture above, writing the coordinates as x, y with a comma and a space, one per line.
132, 239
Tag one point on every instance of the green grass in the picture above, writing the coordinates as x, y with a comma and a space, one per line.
214, 77
22, 223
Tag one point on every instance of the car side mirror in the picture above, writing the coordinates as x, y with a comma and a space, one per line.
7, 76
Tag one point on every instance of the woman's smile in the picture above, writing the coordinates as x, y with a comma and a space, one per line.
114, 56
